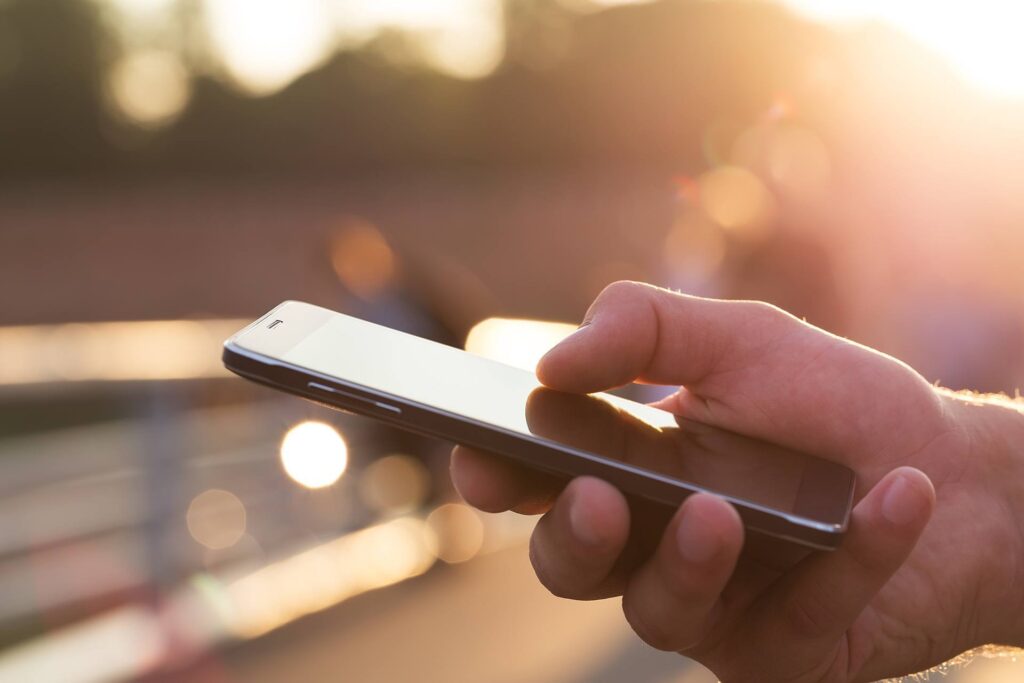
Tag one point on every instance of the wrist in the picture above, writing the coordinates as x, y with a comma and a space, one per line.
995, 443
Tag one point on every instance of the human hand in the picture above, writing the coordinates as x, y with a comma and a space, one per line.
901, 594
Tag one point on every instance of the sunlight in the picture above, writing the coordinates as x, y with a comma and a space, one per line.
979, 39
520, 343
142, 7
266, 44
462, 38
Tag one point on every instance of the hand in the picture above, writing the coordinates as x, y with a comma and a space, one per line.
932, 561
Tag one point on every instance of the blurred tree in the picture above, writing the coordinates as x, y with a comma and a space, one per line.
52, 119
628, 87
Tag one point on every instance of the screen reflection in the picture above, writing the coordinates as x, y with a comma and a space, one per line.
710, 459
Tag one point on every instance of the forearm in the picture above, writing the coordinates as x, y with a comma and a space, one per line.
995, 424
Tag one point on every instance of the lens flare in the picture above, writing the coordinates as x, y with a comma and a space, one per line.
695, 246
735, 198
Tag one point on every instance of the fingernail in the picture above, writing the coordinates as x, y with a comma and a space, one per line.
697, 542
583, 526
903, 502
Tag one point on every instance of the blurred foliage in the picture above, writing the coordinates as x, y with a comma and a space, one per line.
51, 61
625, 86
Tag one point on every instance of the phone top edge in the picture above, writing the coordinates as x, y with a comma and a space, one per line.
233, 339
300, 319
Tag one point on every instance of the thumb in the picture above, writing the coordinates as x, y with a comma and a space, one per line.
637, 331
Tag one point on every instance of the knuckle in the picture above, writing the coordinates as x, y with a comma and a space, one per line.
624, 288
766, 313
621, 290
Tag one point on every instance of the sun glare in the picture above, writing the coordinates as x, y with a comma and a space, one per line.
462, 38
516, 342
266, 44
979, 39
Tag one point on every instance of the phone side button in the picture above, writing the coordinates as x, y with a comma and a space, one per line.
388, 407
323, 388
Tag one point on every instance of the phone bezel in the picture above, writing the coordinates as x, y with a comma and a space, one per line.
264, 365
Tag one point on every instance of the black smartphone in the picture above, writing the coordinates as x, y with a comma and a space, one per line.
441, 391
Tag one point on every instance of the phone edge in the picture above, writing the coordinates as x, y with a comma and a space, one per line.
813, 534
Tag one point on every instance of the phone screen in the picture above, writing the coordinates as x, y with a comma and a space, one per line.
479, 389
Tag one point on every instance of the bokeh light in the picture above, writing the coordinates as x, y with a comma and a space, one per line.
460, 38
362, 258
216, 519
148, 88
736, 199
266, 44
793, 157
113, 351
314, 454
142, 6
327, 574
394, 483
695, 246
459, 531
516, 342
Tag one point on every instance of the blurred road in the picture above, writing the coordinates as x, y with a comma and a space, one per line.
78, 530
485, 620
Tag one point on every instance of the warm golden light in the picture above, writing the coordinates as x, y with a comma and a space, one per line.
791, 156
216, 519
328, 574
981, 39
120, 644
148, 88
314, 454
694, 247
735, 198
362, 258
114, 351
266, 44
395, 483
461, 38
516, 342
459, 532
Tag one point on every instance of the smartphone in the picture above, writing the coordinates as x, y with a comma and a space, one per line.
438, 390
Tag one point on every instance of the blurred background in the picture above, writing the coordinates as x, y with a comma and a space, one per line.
474, 171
